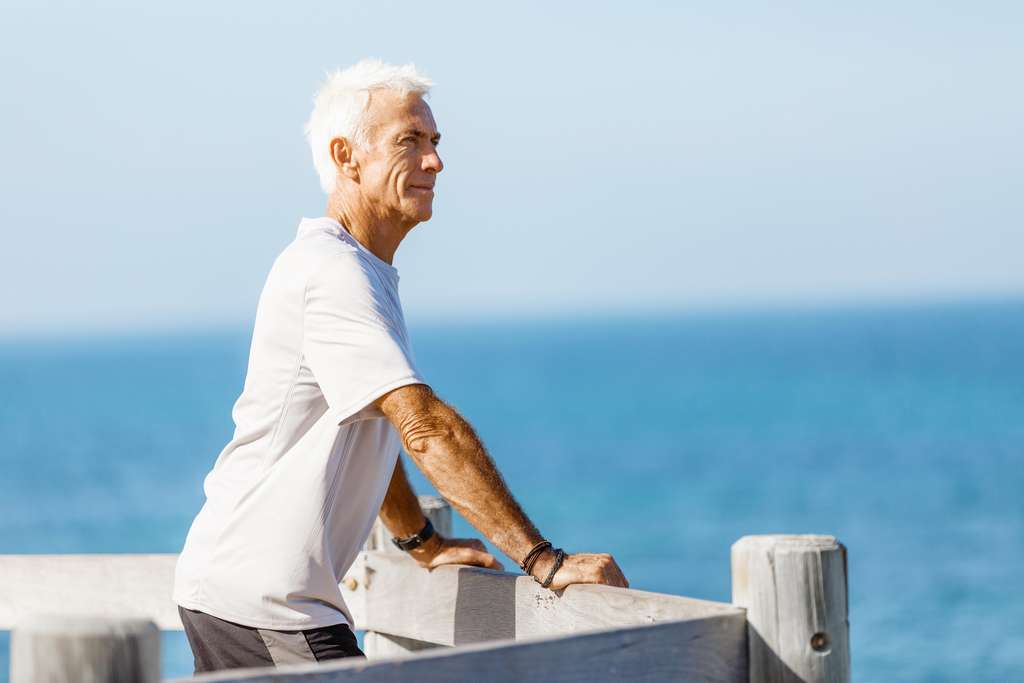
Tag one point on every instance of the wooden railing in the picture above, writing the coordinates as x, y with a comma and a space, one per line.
787, 622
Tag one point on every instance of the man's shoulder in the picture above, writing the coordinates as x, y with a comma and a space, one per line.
316, 255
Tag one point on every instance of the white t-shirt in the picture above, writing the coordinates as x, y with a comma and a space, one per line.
292, 497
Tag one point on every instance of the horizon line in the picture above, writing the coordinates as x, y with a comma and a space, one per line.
723, 309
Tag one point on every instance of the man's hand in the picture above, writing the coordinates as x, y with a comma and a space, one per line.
439, 550
580, 568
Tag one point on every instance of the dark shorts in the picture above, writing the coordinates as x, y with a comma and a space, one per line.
218, 644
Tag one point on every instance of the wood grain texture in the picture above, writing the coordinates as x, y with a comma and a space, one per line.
795, 591
59, 649
697, 651
113, 586
455, 605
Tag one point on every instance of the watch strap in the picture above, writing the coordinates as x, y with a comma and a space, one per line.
416, 540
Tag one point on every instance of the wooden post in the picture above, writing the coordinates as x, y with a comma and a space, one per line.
795, 593
60, 649
378, 645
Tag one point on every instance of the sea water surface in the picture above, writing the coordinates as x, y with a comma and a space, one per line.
659, 439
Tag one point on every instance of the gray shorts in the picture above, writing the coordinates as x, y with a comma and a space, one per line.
218, 644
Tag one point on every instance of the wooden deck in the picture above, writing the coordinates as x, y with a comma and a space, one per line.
788, 621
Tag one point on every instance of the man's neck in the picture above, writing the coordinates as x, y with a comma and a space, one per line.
381, 235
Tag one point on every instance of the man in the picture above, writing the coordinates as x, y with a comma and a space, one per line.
330, 389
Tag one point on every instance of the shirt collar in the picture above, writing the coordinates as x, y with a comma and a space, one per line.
330, 225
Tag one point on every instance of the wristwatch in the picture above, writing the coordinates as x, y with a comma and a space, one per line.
416, 540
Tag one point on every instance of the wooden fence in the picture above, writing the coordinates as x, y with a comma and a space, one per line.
97, 618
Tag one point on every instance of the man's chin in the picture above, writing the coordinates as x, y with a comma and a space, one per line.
421, 215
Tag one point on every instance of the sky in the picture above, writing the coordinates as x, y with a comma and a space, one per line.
600, 158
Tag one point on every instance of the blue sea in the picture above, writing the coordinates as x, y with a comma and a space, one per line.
662, 440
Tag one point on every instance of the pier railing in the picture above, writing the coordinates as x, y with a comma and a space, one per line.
97, 617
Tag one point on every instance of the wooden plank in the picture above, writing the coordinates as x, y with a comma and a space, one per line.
125, 586
795, 591
59, 649
383, 646
711, 649
455, 605
113, 586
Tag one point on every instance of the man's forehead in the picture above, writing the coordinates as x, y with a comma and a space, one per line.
389, 110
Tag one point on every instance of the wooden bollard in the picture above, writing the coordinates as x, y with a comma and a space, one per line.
795, 592
60, 649
378, 645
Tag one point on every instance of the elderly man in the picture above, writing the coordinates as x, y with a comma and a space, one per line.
330, 388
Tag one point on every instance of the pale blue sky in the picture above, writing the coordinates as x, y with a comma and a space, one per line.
600, 157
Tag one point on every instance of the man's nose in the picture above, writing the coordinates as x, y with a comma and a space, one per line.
432, 162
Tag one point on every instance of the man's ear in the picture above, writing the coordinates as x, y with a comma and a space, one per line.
344, 158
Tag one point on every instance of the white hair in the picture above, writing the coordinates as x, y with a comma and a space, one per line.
339, 108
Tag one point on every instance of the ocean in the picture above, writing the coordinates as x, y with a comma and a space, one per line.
659, 439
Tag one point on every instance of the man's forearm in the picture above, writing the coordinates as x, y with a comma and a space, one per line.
401, 512
446, 448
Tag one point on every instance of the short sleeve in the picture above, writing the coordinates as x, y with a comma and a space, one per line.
355, 342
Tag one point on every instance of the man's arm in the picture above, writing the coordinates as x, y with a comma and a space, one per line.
403, 517
446, 448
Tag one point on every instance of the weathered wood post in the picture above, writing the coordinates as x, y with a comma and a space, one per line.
795, 593
61, 649
378, 645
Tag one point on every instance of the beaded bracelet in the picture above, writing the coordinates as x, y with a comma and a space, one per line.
559, 556
531, 557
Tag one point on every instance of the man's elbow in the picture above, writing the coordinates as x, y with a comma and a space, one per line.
424, 435
427, 425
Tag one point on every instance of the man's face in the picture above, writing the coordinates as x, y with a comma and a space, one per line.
398, 170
